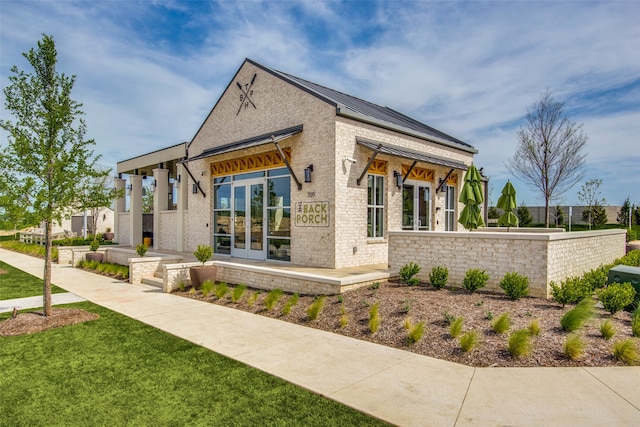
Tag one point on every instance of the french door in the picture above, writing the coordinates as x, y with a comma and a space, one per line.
416, 206
248, 217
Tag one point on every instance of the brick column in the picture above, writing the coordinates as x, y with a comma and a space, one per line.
135, 210
160, 201
120, 205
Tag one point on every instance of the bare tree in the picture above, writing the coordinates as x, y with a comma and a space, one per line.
550, 153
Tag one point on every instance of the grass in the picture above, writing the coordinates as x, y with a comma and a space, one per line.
415, 333
237, 293
607, 330
221, 290
469, 341
534, 328
118, 371
18, 284
520, 343
575, 318
292, 301
272, 298
455, 328
574, 346
626, 352
315, 308
502, 324
374, 318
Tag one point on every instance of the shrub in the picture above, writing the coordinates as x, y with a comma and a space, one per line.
407, 323
573, 346
515, 285
520, 343
272, 298
596, 278
626, 352
207, 287
408, 271
237, 293
315, 308
344, 320
616, 296
607, 330
456, 327
374, 317
203, 253
469, 341
475, 279
438, 277
415, 333
94, 245
293, 300
635, 322
631, 258
576, 317
571, 291
141, 250
221, 290
502, 323
448, 318
534, 328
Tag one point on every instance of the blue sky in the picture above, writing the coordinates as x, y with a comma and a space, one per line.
148, 72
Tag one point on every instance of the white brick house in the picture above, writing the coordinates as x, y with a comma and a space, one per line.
286, 170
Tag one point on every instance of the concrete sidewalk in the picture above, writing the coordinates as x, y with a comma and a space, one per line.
35, 302
394, 385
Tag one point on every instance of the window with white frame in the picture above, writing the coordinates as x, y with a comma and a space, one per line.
450, 208
375, 206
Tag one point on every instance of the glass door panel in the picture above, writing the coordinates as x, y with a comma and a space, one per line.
424, 213
256, 233
407, 207
416, 206
239, 221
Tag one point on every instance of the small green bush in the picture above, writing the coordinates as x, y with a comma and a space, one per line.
374, 318
439, 276
635, 322
520, 343
448, 318
374, 286
408, 271
94, 245
141, 250
237, 293
534, 328
607, 330
221, 290
616, 296
203, 253
416, 332
631, 258
456, 327
315, 308
502, 323
207, 287
573, 346
570, 291
272, 298
475, 279
469, 341
626, 352
344, 320
515, 285
575, 318
293, 300
596, 278
407, 323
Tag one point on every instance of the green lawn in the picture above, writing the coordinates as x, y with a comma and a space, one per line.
117, 371
18, 284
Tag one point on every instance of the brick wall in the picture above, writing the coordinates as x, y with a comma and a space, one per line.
167, 237
542, 257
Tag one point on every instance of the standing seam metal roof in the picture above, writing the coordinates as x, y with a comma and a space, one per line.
369, 109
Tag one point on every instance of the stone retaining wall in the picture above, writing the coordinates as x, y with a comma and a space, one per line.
542, 257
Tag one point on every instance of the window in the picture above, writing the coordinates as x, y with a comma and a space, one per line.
222, 215
375, 206
450, 208
279, 215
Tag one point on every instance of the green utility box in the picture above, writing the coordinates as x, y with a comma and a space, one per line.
625, 274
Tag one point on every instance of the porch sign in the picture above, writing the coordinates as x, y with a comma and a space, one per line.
312, 214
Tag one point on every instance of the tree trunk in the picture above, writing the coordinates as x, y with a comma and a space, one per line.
546, 212
46, 293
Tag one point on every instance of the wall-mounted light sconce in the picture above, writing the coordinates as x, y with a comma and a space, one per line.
154, 186
398, 177
349, 159
194, 188
179, 177
307, 173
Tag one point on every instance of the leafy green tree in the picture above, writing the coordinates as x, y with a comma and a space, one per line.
625, 211
550, 154
147, 201
47, 154
524, 215
589, 195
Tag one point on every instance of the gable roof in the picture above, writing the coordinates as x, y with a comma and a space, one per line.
365, 111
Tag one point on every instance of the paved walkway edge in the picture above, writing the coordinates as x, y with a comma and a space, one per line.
394, 385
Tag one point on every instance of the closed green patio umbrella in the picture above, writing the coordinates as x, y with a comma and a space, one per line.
471, 196
507, 202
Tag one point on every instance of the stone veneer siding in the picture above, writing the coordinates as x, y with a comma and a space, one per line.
542, 257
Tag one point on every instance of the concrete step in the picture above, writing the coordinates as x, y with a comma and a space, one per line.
158, 274
152, 281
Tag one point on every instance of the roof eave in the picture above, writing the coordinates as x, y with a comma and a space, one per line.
346, 112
